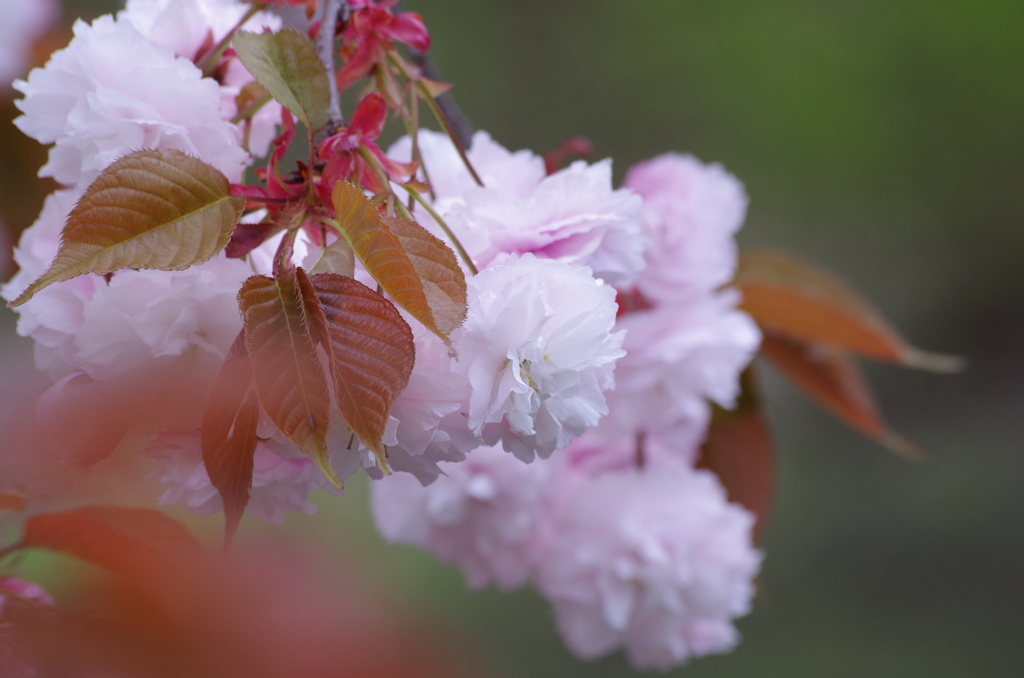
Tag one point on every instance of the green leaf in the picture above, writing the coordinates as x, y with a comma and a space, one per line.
150, 209
129, 541
417, 269
229, 435
290, 383
370, 349
287, 65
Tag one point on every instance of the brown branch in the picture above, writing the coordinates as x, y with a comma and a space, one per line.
460, 125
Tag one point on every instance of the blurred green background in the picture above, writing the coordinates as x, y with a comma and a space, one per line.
881, 139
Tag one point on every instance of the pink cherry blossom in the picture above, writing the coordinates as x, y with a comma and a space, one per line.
90, 102
655, 563
678, 357
539, 351
516, 173
691, 213
481, 516
280, 484
188, 27
572, 216
432, 426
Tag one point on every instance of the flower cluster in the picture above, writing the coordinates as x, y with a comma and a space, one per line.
633, 547
543, 399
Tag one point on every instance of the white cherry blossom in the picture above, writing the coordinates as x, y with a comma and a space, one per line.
539, 351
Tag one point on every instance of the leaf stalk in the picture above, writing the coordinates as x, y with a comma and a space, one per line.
440, 116
208, 64
463, 254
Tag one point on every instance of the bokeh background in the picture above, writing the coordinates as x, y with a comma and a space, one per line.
883, 139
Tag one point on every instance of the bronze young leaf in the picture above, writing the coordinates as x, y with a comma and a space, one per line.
229, 435
129, 541
416, 269
794, 299
831, 378
444, 283
290, 383
150, 209
370, 349
738, 449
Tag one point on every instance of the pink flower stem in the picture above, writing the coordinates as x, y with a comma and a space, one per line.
283, 257
417, 156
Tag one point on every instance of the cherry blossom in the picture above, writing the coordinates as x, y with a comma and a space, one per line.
539, 352
573, 215
691, 213
549, 440
191, 28
679, 357
656, 563
279, 483
90, 103
481, 516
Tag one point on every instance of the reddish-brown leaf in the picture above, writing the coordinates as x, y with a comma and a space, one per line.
290, 383
247, 237
792, 298
444, 283
129, 541
229, 435
150, 209
423, 281
12, 501
250, 95
370, 349
738, 449
831, 378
